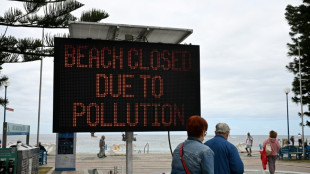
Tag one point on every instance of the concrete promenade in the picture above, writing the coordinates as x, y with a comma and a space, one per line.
161, 163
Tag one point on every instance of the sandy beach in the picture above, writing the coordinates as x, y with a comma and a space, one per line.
161, 163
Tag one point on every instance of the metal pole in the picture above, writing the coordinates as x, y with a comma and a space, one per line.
288, 127
28, 138
301, 105
4, 123
4, 103
39, 108
4, 134
129, 139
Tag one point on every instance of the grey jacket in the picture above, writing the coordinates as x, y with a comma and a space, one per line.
101, 143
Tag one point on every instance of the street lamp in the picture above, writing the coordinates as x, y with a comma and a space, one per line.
6, 84
287, 90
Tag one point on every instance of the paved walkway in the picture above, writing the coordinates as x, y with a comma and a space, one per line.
161, 163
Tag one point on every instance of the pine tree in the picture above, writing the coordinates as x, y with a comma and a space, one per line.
56, 14
299, 21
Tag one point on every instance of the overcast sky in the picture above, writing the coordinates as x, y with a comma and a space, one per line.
243, 55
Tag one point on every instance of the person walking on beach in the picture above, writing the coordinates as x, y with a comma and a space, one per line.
275, 147
299, 140
102, 147
292, 140
42, 147
249, 144
192, 156
226, 156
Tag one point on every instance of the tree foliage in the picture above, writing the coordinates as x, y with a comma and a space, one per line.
298, 18
45, 14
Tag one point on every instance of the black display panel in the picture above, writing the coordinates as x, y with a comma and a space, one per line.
65, 143
114, 86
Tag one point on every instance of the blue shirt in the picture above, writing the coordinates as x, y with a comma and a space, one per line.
198, 158
226, 156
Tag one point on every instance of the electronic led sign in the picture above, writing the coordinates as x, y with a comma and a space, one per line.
109, 86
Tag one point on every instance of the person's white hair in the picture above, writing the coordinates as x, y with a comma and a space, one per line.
222, 128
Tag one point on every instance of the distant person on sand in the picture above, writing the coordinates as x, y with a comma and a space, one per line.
292, 140
192, 156
226, 155
102, 147
275, 147
249, 144
299, 140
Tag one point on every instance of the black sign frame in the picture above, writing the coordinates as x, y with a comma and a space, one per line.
116, 86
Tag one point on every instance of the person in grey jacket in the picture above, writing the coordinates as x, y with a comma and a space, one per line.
102, 147
192, 156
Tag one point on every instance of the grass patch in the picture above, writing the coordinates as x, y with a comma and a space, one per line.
44, 170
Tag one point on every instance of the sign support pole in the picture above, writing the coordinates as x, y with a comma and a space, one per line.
129, 164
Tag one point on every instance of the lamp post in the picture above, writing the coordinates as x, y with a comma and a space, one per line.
6, 84
287, 90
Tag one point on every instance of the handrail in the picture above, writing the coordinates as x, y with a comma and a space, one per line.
148, 147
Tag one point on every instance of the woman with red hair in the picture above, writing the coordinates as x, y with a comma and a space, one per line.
192, 156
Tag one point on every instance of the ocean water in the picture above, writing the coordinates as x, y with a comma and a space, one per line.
157, 143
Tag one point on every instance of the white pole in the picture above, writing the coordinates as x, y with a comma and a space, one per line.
39, 108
